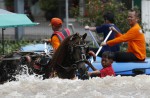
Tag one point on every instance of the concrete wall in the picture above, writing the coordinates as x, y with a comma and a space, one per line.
2, 5
36, 11
145, 8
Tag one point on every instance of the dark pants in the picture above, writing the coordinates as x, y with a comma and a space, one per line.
125, 57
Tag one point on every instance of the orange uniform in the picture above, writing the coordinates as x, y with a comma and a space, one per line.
58, 36
135, 39
55, 42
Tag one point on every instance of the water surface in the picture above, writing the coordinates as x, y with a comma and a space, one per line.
108, 87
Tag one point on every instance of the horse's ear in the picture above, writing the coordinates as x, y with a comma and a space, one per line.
73, 36
77, 34
84, 36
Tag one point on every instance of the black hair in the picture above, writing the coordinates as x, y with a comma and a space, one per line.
137, 12
109, 16
108, 54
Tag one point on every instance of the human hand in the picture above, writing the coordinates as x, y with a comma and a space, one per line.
113, 29
103, 43
86, 27
45, 40
91, 53
89, 73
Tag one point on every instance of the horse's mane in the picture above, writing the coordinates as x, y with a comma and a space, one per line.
63, 62
61, 52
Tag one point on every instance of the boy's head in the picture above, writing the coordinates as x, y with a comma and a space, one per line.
107, 58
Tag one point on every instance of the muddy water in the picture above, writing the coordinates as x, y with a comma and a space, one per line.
108, 87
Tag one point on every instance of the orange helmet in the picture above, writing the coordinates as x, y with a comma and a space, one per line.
56, 22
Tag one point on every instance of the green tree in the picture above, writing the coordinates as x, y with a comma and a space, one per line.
94, 10
9, 5
48, 5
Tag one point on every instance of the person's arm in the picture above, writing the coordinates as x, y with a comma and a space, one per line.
89, 63
94, 73
113, 29
129, 35
117, 34
55, 42
90, 28
47, 40
91, 54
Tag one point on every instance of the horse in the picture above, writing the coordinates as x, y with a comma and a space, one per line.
70, 58
67, 62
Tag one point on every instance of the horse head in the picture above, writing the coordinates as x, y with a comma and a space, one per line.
69, 59
78, 50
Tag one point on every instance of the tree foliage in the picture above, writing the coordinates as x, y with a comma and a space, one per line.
94, 10
11, 46
48, 5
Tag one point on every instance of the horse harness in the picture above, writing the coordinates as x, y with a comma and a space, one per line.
73, 47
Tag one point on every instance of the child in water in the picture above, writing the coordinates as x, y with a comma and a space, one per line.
107, 70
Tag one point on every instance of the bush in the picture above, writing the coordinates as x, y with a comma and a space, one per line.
11, 46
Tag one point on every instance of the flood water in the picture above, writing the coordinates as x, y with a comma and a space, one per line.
108, 87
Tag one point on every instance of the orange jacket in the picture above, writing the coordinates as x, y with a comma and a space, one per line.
57, 37
135, 39
55, 42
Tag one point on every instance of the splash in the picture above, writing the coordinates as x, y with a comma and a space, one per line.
31, 86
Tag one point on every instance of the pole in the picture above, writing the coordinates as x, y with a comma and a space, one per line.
19, 8
45, 48
3, 40
67, 16
97, 45
72, 28
102, 46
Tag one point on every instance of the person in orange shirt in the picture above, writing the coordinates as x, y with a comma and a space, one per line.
59, 33
136, 50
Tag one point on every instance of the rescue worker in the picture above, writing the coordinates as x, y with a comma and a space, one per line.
59, 33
